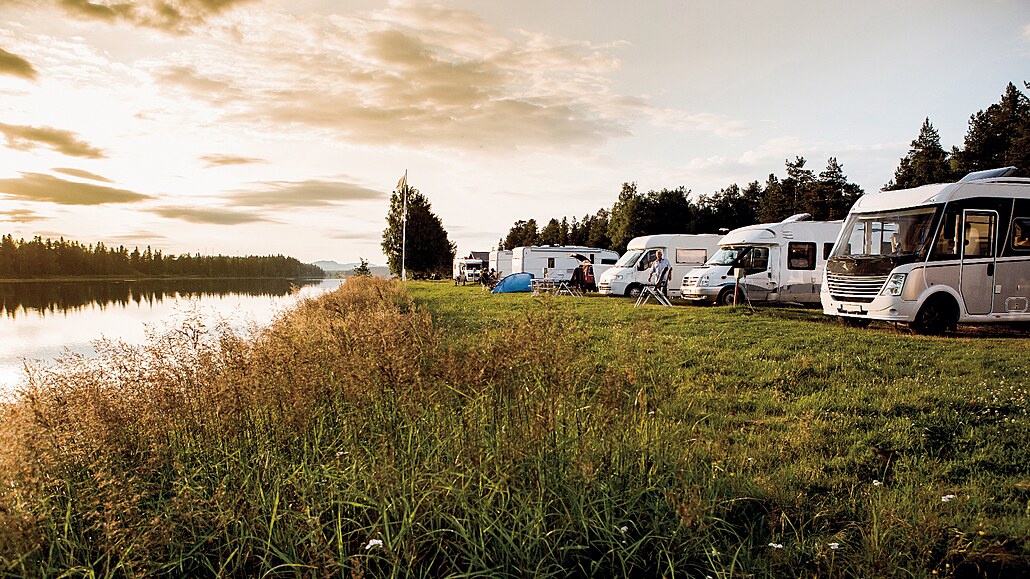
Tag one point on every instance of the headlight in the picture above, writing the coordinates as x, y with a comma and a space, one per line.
894, 285
617, 277
703, 281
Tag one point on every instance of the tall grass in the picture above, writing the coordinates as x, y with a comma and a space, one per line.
445, 432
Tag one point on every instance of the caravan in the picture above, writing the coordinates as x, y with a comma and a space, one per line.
935, 256
771, 262
500, 262
559, 262
684, 252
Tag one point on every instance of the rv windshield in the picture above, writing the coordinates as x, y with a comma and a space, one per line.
897, 233
629, 259
726, 255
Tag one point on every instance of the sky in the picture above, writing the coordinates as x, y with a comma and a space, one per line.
265, 127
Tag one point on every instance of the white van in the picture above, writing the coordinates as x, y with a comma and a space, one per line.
685, 252
465, 270
776, 262
558, 262
500, 262
935, 256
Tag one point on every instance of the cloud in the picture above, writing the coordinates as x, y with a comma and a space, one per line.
224, 160
15, 65
717, 125
20, 216
82, 174
211, 215
310, 193
47, 188
25, 138
169, 15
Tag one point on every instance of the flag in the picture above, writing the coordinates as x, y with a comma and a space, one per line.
402, 183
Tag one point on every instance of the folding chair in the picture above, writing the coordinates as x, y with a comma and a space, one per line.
651, 291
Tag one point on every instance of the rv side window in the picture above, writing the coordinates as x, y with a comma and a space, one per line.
646, 261
827, 250
608, 261
1021, 234
800, 255
978, 236
550, 262
756, 260
945, 247
691, 255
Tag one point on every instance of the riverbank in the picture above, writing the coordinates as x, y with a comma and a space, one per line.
435, 430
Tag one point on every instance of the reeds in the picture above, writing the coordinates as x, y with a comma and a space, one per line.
356, 436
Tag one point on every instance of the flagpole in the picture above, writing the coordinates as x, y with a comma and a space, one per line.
404, 228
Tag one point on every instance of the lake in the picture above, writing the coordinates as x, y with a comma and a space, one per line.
41, 320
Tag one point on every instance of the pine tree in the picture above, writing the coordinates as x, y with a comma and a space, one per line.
429, 250
926, 162
998, 136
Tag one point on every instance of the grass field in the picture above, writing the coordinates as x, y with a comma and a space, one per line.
433, 430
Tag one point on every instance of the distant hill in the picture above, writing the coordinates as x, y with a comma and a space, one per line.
334, 269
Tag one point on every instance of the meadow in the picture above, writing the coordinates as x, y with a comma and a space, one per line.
427, 430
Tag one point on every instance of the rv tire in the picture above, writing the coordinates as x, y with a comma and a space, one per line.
938, 315
633, 291
726, 297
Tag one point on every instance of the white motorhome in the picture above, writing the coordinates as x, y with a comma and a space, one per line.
776, 262
935, 256
500, 262
558, 262
466, 270
684, 252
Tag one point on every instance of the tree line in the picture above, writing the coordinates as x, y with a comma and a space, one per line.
997, 137
38, 257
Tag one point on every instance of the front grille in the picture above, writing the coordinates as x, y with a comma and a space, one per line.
855, 288
604, 287
690, 280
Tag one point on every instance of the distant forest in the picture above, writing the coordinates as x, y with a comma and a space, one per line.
39, 258
997, 137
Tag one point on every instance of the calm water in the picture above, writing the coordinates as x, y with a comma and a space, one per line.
41, 320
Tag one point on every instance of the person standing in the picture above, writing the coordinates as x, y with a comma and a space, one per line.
660, 272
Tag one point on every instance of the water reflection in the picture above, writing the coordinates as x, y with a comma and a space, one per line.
47, 297
44, 320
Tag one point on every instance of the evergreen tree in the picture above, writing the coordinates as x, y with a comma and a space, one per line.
627, 217
522, 234
926, 162
362, 270
429, 250
998, 136
834, 194
551, 233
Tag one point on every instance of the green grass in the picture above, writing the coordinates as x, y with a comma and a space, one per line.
483, 435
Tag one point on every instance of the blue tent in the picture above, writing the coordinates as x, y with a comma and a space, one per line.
516, 282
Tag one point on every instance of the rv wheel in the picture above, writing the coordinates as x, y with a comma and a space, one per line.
633, 291
937, 316
726, 297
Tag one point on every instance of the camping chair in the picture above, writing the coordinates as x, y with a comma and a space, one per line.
651, 291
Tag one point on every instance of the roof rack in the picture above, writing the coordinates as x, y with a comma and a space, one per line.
988, 174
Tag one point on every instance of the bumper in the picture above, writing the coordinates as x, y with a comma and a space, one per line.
884, 308
616, 288
700, 294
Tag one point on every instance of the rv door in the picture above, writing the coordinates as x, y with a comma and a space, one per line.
976, 279
761, 271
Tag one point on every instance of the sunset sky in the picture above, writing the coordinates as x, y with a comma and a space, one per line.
247, 127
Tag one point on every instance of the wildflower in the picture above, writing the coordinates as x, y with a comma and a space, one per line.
947, 498
835, 546
776, 545
372, 543
877, 483
624, 529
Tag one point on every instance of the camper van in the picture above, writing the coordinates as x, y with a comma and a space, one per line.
685, 252
466, 270
771, 262
559, 262
935, 256
500, 262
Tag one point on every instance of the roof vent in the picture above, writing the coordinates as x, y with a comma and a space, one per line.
798, 217
988, 174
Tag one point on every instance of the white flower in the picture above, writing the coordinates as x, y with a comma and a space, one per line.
835, 546
776, 545
947, 498
624, 529
372, 543
877, 483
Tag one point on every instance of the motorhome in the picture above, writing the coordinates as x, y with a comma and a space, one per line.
935, 256
631, 273
466, 270
500, 262
558, 262
770, 262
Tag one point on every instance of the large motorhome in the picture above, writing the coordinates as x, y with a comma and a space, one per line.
935, 256
465, 270
500, 262
775, 262
684, 252
558, 262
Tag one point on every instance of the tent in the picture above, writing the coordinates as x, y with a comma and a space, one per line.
516, 282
